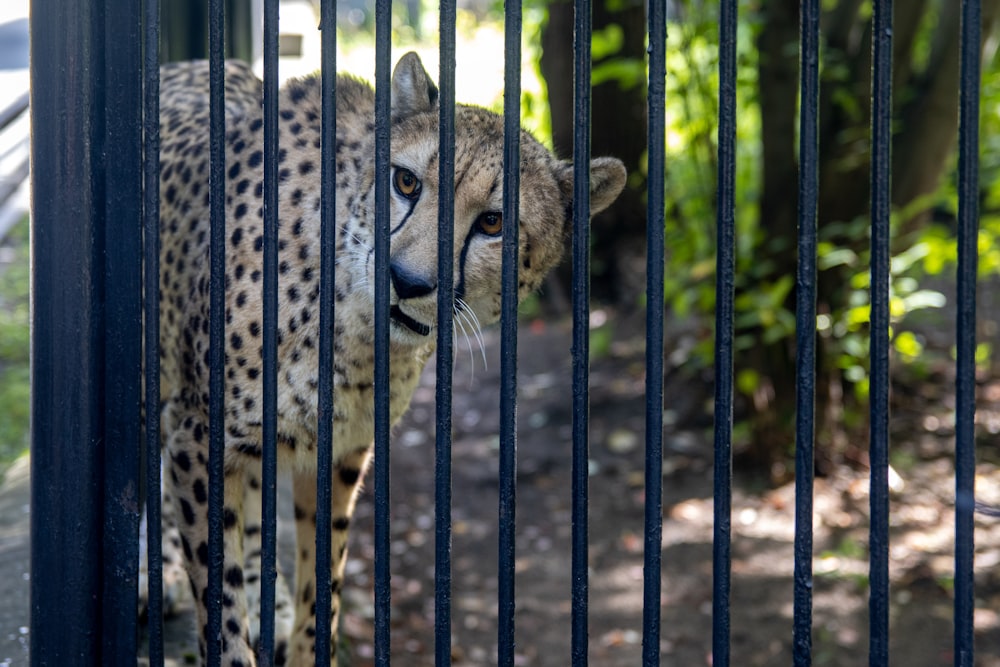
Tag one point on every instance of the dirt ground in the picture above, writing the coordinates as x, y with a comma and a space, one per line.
922, 525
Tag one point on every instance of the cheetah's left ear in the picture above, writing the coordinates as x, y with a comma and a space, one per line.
413, 91
607, 178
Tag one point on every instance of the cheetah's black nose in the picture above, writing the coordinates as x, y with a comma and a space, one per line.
408, 283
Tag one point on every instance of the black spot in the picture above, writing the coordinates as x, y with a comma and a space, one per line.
199, 491
235, 341
233, 626
182, 461
228, 518
187, 512
255, 159
203, 554
341, 523
234, 576
349, 476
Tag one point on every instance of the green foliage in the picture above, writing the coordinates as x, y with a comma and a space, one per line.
15, 376
763, 312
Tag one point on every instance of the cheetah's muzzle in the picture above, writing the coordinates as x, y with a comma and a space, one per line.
419, 328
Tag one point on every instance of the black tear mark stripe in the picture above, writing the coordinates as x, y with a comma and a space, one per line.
413, 207
460, 287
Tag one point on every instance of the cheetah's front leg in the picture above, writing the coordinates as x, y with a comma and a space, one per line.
347, 477
189, 483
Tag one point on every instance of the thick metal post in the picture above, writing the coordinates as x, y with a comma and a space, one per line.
67, 368
122, 333
151, 313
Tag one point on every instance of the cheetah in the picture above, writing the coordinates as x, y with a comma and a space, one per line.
545, 214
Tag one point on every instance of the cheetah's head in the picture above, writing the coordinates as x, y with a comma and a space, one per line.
545, 209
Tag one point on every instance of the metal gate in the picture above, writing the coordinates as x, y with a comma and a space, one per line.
95, 110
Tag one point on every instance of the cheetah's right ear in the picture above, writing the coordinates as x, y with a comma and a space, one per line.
413, 91
607, 179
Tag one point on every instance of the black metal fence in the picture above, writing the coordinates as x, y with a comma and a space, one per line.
94, 111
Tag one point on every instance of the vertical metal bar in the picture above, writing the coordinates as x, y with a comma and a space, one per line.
656, 135
805, 327
965, 401
66, 378
582, 29
269, 407
445, 330
327, 317
383, 37
122, 332
508, 329
725, 269
879, 406
151, 296
217, 329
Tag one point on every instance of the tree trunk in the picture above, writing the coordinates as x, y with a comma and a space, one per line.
618, 123
773, 401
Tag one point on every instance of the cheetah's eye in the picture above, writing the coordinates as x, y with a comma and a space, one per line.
406, 183
490, 223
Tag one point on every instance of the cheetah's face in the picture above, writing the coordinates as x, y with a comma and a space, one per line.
546, 186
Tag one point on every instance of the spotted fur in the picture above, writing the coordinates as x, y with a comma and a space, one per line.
545, 211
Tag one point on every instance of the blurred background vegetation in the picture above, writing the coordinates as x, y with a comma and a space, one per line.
925, 127
15, 377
